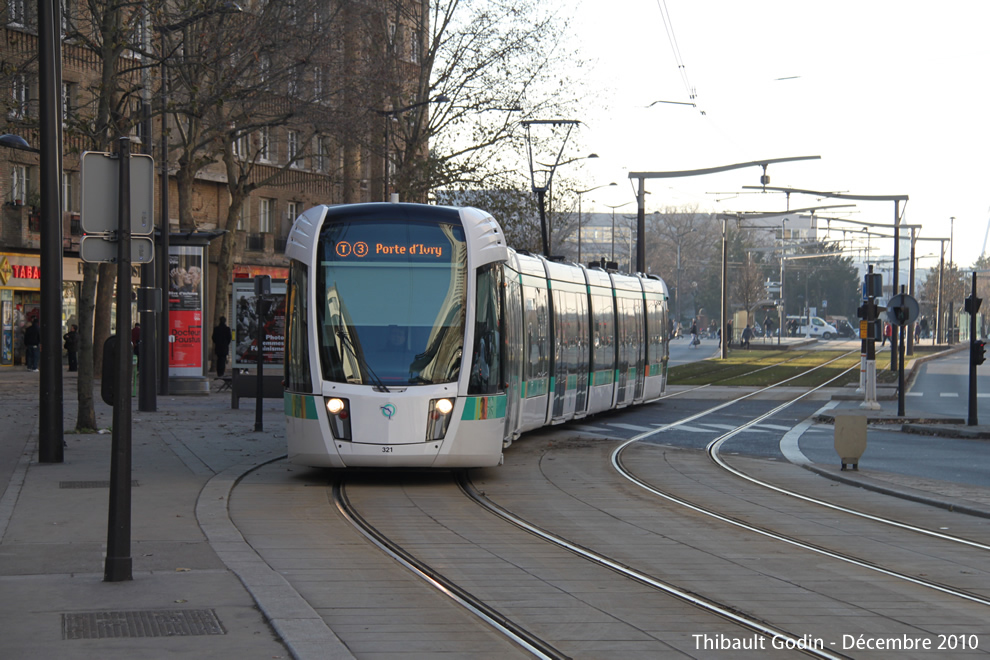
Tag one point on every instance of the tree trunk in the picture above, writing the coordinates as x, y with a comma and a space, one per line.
225, 262
104, 306
185, 177
86, 415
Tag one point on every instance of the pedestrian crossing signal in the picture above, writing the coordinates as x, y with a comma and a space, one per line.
979, 352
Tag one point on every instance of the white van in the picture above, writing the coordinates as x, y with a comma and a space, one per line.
819, 327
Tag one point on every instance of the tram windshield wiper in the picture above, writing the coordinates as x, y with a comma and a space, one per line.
346, 341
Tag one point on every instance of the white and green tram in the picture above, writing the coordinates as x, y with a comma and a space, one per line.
415, 337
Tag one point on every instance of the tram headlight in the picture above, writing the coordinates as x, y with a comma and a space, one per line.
340, 417
438, 418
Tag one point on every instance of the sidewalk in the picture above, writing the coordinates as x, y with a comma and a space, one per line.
185, 598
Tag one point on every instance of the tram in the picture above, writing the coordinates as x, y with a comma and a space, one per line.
415, 337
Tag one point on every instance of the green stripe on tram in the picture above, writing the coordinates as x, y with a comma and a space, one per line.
299, 405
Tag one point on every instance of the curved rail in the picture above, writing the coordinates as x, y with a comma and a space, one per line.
712, 452
518, 634
632, 574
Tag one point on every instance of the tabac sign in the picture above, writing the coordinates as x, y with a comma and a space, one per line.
19, 271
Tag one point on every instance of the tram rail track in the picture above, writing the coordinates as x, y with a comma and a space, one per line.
526, 639
712, 450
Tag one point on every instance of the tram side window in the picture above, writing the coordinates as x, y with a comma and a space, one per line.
297, 375
654, 326
486, 357
603, 343
536, 367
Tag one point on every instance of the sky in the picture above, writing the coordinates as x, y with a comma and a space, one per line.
893, 96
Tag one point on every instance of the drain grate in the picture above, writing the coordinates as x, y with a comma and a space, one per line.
146, 623
91, 484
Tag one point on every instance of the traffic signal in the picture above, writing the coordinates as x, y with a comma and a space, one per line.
972, 304
978, 354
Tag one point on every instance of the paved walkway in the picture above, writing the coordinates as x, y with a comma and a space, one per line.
197, 586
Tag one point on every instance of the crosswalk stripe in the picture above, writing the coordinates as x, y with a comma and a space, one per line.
950, 395
630, 427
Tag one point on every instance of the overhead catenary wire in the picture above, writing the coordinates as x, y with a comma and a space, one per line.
678, 59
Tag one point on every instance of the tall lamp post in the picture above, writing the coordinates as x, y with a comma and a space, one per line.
541, 191
617, 206
579, 193
390, 116
50, 420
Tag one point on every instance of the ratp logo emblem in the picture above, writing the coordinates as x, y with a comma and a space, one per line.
388, 410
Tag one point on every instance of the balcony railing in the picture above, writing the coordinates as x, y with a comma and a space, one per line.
256, 242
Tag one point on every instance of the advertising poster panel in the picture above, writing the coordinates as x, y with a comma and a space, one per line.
245, 306
185, 310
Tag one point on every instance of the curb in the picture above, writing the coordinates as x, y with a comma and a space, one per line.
299, 626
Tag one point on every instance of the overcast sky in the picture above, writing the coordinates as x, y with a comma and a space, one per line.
892, 96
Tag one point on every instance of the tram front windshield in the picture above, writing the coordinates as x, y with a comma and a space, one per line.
391, 298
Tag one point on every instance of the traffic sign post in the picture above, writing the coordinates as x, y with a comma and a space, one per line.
977, 352
872, 286
902, 309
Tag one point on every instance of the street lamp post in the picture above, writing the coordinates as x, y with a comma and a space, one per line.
390, 116
579, 193
541, 191
50, 421
617, 206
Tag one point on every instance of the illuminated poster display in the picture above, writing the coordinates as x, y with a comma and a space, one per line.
185, 310
245, 306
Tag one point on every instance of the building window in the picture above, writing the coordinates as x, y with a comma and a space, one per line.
20, 184
321, 159
266, 215
21, 93
242, 217
16, 14
265, 145
239, 146
68, 98
319, 84
292, 147
414, 46
70, 203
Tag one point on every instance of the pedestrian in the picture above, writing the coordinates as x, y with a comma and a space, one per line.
71, 345
694, 334
747, 334
136, 341
32, 345
887, 332
221, 345
728, 334
767, 328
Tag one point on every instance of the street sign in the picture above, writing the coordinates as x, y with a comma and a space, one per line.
96, 248
100, 177
902, 309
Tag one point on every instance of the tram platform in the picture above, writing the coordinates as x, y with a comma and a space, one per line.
198, 588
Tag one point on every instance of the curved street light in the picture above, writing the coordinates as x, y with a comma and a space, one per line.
390, 116
582, 192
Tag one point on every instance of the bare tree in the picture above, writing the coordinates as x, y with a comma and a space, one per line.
478, 67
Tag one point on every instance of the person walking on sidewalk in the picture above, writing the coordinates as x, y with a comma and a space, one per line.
32, 346
221, 345
71, 345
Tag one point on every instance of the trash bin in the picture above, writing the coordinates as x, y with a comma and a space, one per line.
850, 439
